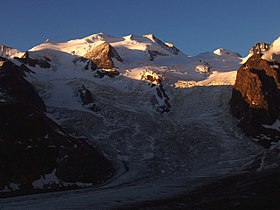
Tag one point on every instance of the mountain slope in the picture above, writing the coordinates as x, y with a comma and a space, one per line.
256, 94
160, 115
36, 153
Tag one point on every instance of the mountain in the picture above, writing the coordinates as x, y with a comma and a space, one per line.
149, 121
256, 94
8, 52
36, 153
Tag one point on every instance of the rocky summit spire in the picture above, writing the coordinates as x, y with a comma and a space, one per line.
259, 48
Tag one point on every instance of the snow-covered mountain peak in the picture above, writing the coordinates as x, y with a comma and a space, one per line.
49, 41
146, 38
8, 52
222, 52
102, 37
150, 36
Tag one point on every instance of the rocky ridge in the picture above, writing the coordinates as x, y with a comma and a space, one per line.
36, 153
255, 98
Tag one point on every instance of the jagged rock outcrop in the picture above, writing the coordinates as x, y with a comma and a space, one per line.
43, 63
89, 64
14, 86
160, 99
154, 54
6, 51
260, 47
256, 98
87, 99
102, 56
35, 152
204, 67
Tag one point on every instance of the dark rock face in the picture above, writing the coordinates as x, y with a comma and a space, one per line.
154, 54
32, 145
102, 56
165, 107
256, 98
87, 99
161, 99
13, 84
89, 64
43, 63
85, 95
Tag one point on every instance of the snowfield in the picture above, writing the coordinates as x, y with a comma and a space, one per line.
158, 155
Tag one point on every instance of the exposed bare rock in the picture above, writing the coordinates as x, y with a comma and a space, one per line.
256, 98
33, 147
89, 64
154, 54
102, 56
87, 99
160, 99
43, 63
16, 87
6, 51
204, 67
260, 47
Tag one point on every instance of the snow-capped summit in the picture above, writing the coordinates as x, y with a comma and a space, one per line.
102, 37
132, 48
222, 51
8, 52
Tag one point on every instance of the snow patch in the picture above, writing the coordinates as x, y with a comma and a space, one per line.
45, 180
274, 53
275, 125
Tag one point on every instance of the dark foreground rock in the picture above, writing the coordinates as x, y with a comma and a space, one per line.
35, 152
255, 98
